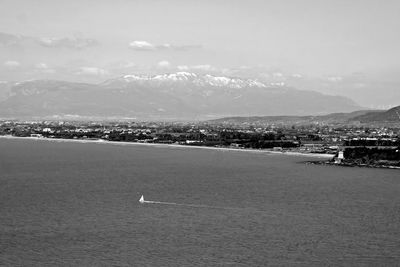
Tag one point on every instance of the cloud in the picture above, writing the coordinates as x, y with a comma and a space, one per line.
146, 46
277, 74
122, 64
183, 68
43, 67
205, 67
9, 39
297, 75
11, 64
178, 47
129, 64
92, 71
163, 64
335, 79
141, 45
65, 42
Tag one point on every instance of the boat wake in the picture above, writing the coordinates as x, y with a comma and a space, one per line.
142, 201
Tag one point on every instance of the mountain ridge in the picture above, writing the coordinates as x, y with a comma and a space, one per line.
173, 95
361, 116
390, 115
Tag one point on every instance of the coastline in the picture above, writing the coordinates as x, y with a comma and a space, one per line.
353, 165
100, 141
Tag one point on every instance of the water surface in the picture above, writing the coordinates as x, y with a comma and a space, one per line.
77, 204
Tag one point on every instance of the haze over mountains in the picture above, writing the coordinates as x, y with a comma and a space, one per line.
181, 95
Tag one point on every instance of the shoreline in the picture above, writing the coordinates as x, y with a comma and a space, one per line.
354, 165
100, 141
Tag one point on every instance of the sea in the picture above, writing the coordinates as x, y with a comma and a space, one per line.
77, 204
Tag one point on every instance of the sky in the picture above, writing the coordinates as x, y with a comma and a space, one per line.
93, 40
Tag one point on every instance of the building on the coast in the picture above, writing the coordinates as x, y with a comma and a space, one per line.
340, 157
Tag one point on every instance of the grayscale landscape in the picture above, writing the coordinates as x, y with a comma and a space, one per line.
199, 133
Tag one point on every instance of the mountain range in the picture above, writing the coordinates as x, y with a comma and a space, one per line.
180, 95
370, 117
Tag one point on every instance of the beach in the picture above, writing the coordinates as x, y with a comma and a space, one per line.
100, 141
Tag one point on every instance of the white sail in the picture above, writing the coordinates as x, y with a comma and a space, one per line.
141, 200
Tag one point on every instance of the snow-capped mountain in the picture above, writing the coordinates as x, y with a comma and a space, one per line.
180, 95
184, 78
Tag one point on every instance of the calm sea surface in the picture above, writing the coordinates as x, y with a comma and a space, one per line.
73, 204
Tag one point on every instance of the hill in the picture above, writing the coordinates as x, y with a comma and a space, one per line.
371, 117
333, 118
391, 115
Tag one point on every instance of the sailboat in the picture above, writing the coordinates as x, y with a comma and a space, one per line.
141, 200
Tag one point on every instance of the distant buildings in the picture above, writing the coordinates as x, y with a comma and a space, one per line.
306, 139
